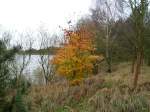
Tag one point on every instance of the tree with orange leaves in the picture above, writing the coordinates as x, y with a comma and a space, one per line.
75, 59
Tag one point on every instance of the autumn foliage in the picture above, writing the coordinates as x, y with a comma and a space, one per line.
75, 59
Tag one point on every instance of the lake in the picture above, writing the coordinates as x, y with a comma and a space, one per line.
33, 63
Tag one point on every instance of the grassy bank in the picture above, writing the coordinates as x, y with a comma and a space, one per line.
101, 93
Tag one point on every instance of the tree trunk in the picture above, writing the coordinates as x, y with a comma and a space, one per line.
46, 80
134, 60
137, 68
148, 61
133, 64
95, 69
109, 70
108, 56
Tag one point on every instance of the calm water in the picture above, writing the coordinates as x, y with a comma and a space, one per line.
33, 64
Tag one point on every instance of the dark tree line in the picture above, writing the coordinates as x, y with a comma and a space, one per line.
121, 37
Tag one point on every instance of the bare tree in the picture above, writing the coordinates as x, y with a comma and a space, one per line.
105, 14
46, 46
22, 59
139, 8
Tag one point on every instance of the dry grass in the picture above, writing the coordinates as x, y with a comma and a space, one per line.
124, 76
52, 97
100, 93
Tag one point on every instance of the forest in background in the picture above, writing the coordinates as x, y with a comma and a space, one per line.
101, 65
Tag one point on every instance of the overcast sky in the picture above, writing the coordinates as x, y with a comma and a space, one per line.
30, 14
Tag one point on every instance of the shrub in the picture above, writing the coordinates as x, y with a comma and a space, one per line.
75, 59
